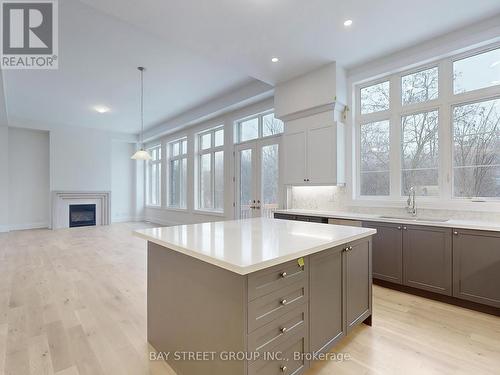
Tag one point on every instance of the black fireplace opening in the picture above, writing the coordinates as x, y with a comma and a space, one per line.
81, 215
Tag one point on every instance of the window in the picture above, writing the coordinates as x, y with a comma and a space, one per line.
441, 139
476, 149
258, 126
177, 173
153, 177
420, 153
375, 172
375, 98
271, 125
420, 86
211, 170
477, 72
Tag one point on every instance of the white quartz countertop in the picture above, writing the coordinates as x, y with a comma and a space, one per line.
246, 246
452, 223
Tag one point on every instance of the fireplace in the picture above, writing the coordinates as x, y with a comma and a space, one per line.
81, 215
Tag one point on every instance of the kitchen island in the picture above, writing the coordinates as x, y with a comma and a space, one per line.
255, 296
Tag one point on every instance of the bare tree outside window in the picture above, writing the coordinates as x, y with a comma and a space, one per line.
476, 149
375, 170
420, 87
420, 153
375, 98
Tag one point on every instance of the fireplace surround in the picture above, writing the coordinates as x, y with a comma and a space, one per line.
62, 200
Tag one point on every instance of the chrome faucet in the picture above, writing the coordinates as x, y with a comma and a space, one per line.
411, 205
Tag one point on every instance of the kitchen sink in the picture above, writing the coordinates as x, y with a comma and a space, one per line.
422, 218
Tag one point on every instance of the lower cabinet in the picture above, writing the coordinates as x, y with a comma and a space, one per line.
413, 255
326, 299
476, 266
358, 270
387, 251
340, 295
427, 258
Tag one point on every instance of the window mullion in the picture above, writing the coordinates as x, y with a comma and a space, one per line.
445, 128
395, 137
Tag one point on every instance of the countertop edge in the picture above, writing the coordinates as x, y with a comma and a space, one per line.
452, 223
246, 270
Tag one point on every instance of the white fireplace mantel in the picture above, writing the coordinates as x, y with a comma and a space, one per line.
61, 200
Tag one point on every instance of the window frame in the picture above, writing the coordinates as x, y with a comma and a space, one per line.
260, 116
149, 182
211, 150
171, 158
444, 103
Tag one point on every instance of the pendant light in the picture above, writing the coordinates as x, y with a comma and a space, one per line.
142, 154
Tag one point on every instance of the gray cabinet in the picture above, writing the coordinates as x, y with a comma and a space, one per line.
387, 251
326, 299
427, 258
476, 266
358, 282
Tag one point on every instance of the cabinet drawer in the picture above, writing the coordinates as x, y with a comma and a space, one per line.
265, 309
287, 363
269, 280
278, 331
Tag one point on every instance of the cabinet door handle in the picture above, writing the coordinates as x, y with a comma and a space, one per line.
455, 233
350, 248
399, 228
283, 369
283, 330
405, 228
283, 275
283, 301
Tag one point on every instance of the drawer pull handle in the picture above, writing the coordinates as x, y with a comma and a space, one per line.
283, 330
283, 369
283, 301
283, 275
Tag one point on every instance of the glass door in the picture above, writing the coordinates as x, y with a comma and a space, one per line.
257, 178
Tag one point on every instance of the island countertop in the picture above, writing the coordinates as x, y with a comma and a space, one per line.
249, 245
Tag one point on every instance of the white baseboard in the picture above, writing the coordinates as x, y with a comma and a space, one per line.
42, 225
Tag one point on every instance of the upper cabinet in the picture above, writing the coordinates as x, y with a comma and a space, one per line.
313, 150
314, 141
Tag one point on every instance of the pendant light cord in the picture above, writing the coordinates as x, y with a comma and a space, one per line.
142, 106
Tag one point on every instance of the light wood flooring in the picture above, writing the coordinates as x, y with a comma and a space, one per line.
73, 302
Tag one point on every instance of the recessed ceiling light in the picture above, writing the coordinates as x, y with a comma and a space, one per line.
275, 59
101, 109
347, 23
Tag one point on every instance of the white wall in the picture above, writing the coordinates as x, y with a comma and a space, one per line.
4, 178
28, 179
80, 159
123, 182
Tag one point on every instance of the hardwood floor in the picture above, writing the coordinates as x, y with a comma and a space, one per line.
73, 302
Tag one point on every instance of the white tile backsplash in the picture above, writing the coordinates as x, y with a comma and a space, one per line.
333, 198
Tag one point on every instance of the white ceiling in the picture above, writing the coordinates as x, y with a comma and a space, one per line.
196, 50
